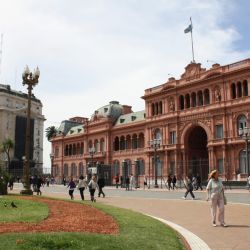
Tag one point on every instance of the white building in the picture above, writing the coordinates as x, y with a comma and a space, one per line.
13, 118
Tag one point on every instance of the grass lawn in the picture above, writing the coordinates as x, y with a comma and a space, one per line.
136, 232
27, 211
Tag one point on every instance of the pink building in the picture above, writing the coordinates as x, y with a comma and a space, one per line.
189, 126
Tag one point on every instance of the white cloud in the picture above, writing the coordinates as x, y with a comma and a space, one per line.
92, 52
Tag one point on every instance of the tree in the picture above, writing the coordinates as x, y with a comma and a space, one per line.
6, 147
51, 132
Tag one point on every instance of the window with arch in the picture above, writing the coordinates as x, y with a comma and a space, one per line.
141, 140
74, 149
242, 122
141, 167
134, 141
153, 109
116, 167
245, 88
116, 144
122, 143
187, 99
206, 97
73, 169
239, 89
66, 170
128, 142
66, 151
157, 134
81, 148
160, 108
102, 145
181, 102
80, 169
243, 166
233, 91
96, 145
200, 98
70, 149
193, 99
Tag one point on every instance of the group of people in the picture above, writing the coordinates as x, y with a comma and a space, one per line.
129, 184
83, 184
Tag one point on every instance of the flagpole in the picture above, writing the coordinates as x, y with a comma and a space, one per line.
192, 39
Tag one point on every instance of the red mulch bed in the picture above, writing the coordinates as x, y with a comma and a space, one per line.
66, 217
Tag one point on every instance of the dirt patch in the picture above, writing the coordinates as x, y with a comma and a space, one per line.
66, 217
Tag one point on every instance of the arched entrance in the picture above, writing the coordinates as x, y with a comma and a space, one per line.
197, 152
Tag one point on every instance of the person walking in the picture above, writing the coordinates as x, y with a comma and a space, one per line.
101, 185
72, 187
169, 181
117, 180
127, 182
38, 185
248, 182
215, 193
132, 182
174, 182
11, 183
82, 184
198, 182
92, 187
189, 188
145, 182
121, 180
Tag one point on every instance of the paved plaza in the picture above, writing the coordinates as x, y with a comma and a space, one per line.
192, 215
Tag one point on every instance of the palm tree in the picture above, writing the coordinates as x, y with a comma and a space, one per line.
50, 132
5, 147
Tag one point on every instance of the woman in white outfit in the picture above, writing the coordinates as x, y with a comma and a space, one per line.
215, 192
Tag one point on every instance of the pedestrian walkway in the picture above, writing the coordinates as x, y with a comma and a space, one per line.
195, 217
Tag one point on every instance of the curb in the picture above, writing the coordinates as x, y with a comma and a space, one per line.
192, 240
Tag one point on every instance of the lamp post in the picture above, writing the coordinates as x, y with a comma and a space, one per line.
92, 152
30, 79
155, 144
52, 164
244, 133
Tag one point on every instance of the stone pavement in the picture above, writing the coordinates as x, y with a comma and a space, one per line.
193, 215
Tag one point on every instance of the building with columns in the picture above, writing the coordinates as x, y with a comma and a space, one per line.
195, 120
13, 119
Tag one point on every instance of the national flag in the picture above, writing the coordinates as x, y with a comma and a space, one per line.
188, 29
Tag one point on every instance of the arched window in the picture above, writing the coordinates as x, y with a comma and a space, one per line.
70, 149
193, 99
73, 169
116, 144
74, 149
233, 91
90, 144
81, 148
160, 108
122, 143
239, 89
243, 166
153, 109
116, 168
242, 122
157, 134
128, 142
80, 169
65, 170
181, 102
156, 109
96, 145
134, 141
66, 151
102, 145
200, 98
141, 167
141, 140
187, 99
245, 88
206, 97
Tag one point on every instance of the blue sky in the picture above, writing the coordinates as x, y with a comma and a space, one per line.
92, 52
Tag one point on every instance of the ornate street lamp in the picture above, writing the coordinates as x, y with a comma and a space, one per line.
155, 144
30, 79
92, 152
52, 164
244, 133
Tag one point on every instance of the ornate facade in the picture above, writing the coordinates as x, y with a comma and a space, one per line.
196, 119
